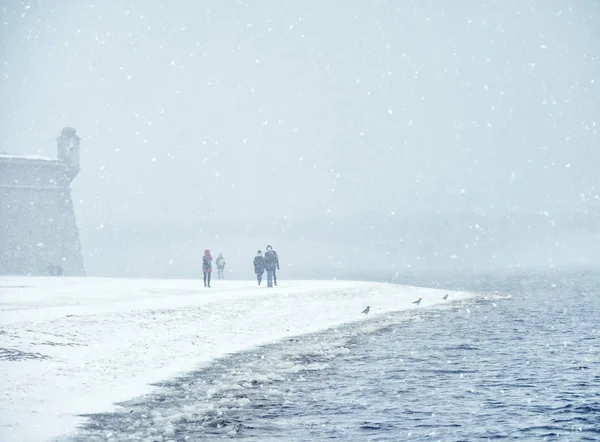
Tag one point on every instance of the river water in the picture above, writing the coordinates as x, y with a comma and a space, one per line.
520, 362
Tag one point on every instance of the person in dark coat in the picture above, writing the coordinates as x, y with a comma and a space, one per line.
259, 266
271, 266
207, 267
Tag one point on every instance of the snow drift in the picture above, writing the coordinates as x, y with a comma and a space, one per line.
71, 346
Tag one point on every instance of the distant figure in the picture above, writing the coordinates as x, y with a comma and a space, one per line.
271, 265
220, 266
366, 311
55, 270
418, 301
207, 267
259, 266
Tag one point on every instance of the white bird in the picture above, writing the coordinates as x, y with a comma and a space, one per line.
445, 296
418, 301
365, 311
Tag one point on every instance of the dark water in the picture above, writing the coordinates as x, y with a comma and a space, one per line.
525, 367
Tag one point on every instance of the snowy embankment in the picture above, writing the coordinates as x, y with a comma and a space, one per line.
71, 346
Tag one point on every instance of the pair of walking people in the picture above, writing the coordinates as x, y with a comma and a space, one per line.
207, 267
270, 263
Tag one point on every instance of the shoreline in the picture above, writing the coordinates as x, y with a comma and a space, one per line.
105, 340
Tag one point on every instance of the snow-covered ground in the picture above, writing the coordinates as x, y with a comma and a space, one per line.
71, 346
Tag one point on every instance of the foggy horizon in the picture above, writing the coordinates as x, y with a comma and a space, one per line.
236, 124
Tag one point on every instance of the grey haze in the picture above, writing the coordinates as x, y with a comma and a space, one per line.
355, 136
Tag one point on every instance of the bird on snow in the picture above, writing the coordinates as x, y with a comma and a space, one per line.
365, 311
418, 301
445, 296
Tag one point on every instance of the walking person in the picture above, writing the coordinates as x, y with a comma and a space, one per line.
220, 266
207, 267
271, 265
259, 266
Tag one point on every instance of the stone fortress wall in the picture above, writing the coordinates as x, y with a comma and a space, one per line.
38, 229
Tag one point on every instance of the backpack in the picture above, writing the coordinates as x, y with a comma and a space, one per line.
271, 259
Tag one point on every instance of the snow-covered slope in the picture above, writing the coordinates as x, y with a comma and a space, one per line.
70, 346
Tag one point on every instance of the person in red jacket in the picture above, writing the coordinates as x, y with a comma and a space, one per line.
207, 267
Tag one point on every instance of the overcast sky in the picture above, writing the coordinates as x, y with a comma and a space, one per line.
250, 110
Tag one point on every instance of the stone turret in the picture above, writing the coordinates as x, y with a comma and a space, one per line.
68, 151
38, 229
